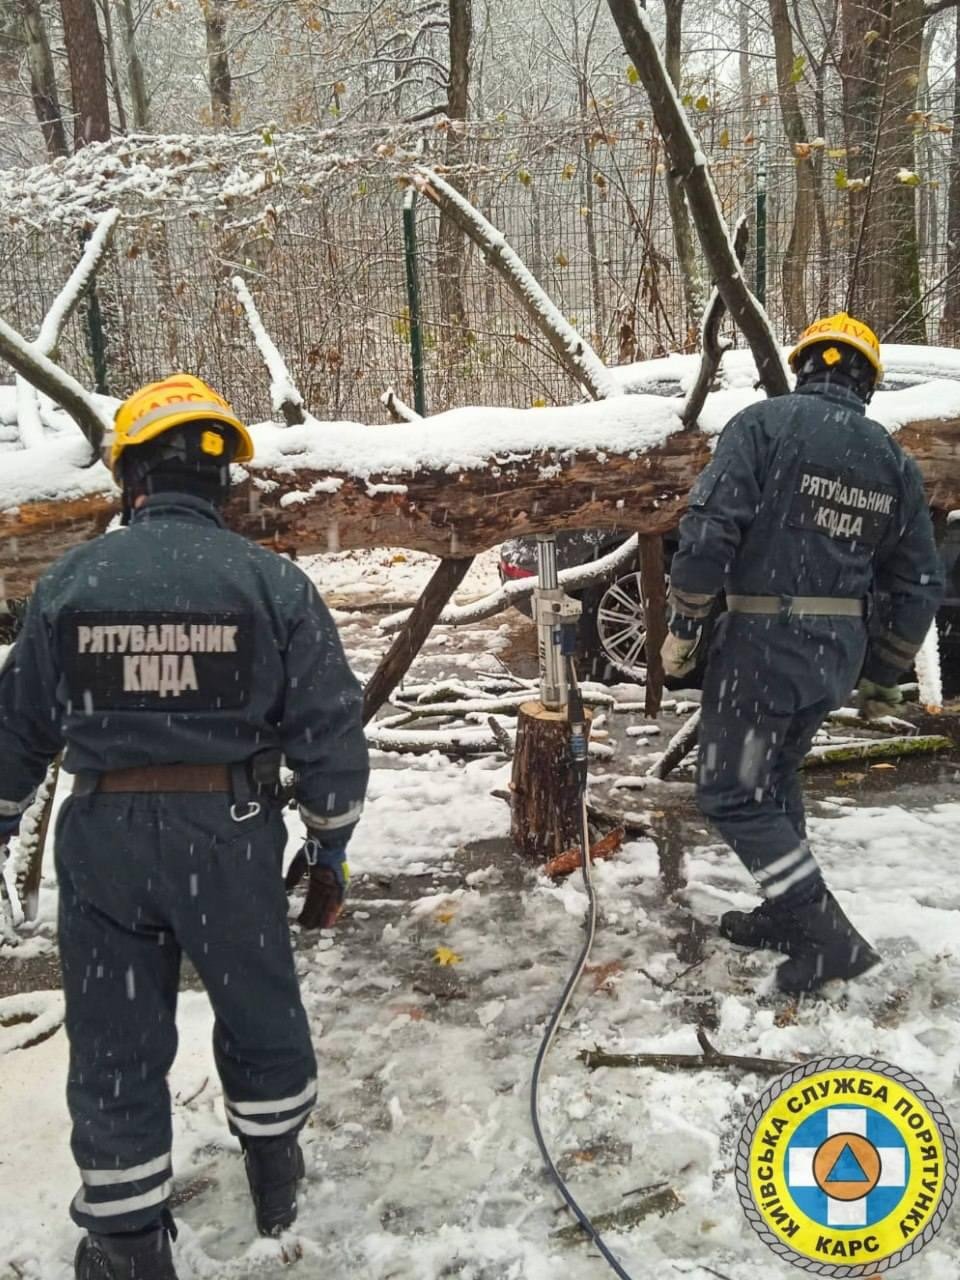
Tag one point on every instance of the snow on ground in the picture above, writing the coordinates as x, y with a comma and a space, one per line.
420, 1160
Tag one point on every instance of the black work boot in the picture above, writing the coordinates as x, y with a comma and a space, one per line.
767, 927
274, 1167
143, 1255
829, 947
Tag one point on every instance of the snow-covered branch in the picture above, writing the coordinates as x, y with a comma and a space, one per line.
284, 395
55, 321
398, 410
49, 378
459, 615
573, 351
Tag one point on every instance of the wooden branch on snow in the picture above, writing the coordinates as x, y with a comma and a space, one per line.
571, 349
678, 748
710, 1057
713, 346
877, 749
689, 163
657, 1203
284, 395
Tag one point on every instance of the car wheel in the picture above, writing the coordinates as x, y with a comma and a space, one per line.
622, 625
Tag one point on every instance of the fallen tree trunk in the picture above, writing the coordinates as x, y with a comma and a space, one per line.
447, 512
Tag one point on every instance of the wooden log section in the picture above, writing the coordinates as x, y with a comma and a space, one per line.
545, 810
453, 514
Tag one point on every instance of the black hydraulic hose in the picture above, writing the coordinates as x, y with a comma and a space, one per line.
578, 751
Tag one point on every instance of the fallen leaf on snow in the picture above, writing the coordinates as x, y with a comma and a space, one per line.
444, 956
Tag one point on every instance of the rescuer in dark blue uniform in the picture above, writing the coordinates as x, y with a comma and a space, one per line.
807, 509
175, 662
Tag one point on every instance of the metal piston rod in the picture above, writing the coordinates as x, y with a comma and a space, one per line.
556, 616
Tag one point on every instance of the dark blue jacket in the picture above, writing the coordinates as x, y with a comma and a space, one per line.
806, 496
176, 641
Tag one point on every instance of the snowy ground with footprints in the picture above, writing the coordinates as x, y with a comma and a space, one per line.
429, 1000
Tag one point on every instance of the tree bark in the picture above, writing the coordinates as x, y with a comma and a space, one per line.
139, 98
693, 296
880, 75
545, 803
111, 53
88, 72
450, 243
950, 323
456, 513
687, 159
218, 63
796, 257
43, 78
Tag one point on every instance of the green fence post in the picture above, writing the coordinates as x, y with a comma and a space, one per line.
413, 301
96, 338
761, 280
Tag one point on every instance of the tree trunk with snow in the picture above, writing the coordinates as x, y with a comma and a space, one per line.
688, 160
88, 72
43, 78
544, 803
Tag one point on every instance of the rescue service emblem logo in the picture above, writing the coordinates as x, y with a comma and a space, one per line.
847, 1167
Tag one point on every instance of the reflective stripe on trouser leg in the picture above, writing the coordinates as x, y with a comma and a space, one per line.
109, 1196
271, 1118
745, 787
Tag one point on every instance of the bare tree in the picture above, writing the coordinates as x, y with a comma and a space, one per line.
88, 73
43, 78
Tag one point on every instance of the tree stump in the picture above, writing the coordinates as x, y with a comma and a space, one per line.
545, 813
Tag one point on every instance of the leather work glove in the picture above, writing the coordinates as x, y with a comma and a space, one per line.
874, 701
329, 875
679, 654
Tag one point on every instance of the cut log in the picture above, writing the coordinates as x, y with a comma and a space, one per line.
545, 814
564, 864
452, 513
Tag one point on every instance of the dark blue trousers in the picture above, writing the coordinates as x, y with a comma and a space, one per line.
143, 879
769, 686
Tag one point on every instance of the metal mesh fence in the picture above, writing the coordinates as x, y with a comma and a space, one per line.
584, 204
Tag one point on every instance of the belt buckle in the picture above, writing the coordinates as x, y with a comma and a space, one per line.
785, 612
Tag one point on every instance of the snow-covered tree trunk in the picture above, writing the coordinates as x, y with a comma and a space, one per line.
284, 395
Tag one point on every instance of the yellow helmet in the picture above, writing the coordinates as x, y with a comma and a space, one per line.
163, 405
845, 331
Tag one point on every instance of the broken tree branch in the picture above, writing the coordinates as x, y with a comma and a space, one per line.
284, 395
658, 1202
711, 343
55, 321
689, 163
53, 381
710, 1057
876, 749
571, 349
397, 409
409, 641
